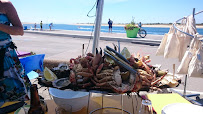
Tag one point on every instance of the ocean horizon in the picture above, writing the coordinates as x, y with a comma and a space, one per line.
115, 29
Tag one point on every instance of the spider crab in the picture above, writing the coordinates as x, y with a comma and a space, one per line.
94, 72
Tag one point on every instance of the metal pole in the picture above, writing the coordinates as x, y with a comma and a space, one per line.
193, 13
184, 92
88, 102
97, 29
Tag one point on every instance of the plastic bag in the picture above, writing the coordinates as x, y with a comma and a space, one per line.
172, 45
196, 65
187, 25
183, 44
161, 48
184, 40
191, 25
183, 67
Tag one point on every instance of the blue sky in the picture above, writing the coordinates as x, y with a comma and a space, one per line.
120, 11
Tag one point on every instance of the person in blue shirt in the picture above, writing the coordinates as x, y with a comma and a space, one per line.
139, 24
110, 22
50, 25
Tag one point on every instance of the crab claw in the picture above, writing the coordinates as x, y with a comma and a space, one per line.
72, 77
96, 60
100, 51
159, 79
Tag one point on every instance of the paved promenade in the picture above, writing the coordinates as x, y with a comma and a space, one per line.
154, 40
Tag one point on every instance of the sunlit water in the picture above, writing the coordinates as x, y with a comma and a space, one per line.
115, 29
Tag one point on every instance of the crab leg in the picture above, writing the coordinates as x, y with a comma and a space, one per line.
148, 61
149, 71
99, 84
154, 77
156, 81
82, 70
95, 79
142, 59
99, 68
85, 74
106, 79
103, 75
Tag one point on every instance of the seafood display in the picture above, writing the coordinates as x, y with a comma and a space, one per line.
111, 71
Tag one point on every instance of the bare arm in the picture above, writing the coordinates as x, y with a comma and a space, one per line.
17, 28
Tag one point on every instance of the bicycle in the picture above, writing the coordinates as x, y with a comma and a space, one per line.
142, 33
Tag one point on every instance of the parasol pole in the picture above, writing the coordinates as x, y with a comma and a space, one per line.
99, 10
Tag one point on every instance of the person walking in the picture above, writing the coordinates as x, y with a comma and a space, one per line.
41, 25
35, 26
110, 22
14, 84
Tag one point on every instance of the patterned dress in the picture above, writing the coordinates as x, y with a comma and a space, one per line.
13, 81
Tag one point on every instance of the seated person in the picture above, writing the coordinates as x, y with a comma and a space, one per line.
139, 24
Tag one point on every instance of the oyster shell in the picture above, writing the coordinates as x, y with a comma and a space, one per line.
59, 83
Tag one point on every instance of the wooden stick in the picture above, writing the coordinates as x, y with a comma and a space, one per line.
83, 46
173, 71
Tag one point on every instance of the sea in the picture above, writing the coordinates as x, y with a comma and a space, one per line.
115, 29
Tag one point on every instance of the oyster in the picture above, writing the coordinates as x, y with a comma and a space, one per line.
61, 71
63, 82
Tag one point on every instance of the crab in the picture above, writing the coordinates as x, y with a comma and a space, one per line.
92, 71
